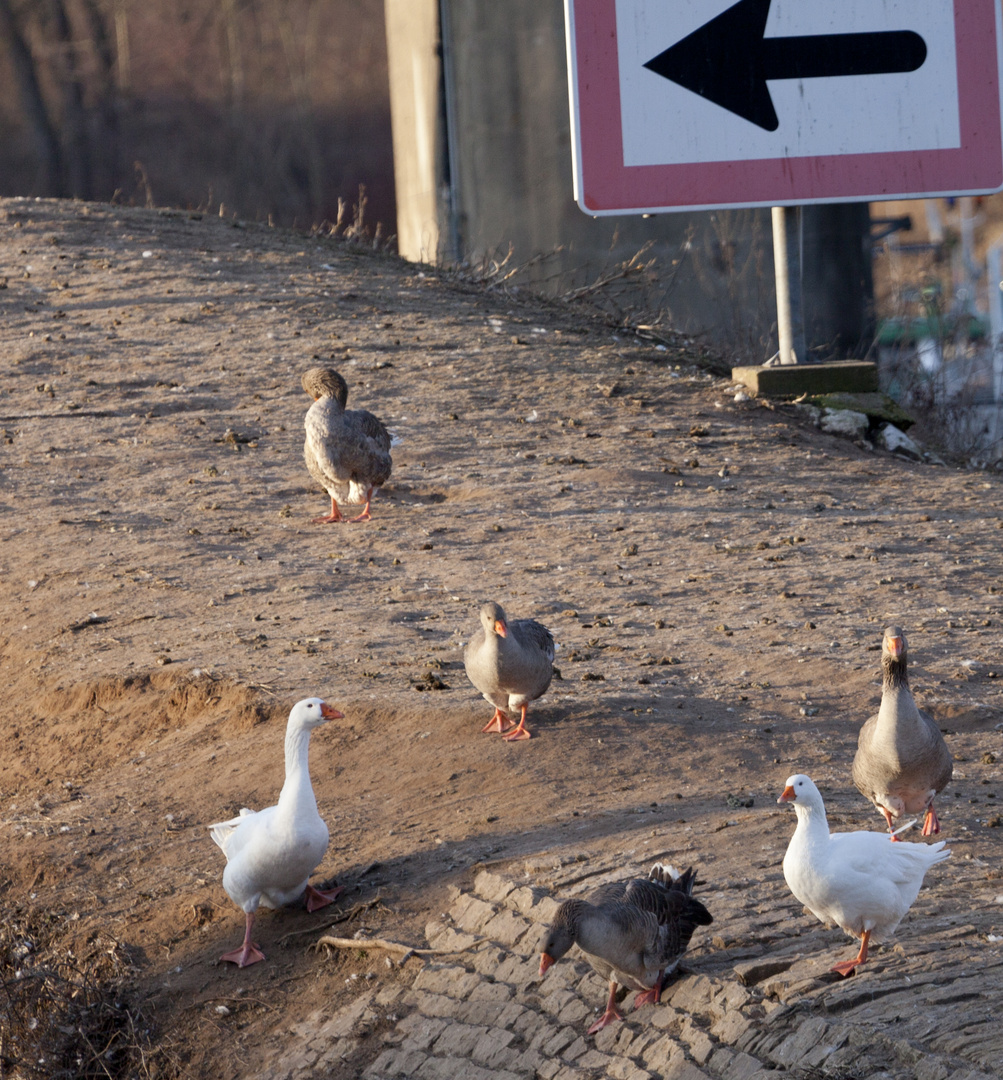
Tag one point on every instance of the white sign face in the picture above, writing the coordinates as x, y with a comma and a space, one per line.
664, 123
694, 104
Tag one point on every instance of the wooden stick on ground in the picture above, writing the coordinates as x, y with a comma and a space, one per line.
391, 946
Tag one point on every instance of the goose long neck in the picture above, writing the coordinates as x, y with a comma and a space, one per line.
813, 824
297, 788
895, 672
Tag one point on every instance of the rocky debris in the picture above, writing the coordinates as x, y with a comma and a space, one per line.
897, 442
848, 422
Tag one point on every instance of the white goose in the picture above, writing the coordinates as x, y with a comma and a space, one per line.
271, 854
858, 880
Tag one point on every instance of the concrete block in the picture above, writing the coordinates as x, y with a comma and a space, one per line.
492, 887
792, 380
394, 1063
471, 914
442, 936
517, 971
487, 960
576, 1049
530, 1023
457, 1039
451, 980
506, 927
482, 1013
574, 1012
690, 994
684, 1070
557, 1000
622, 1069
419, 1032
593, 1059
556, 1043
526, 899
730, 1027
664, 1017
795, 1048
733, 1064
431, 1004
700, 1044
751, 972
615, 1039
659, 1056
493, 1050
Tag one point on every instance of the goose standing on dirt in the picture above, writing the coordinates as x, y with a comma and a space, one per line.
902, 761
511, 663
857, 880
271, 854
633, 933
347, 450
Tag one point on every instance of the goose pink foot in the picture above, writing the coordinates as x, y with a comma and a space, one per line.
609, 1015
649, 997
496, 722
365, 515
330, 519
931, 823
248, 953
847, 967
316, 899
520, 731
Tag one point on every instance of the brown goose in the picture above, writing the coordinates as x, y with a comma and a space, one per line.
633, 933
511, 663
902, 761
347, 450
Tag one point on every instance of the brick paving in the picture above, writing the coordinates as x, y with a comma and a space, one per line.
749, 1003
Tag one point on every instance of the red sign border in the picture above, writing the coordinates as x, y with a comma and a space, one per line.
604, 185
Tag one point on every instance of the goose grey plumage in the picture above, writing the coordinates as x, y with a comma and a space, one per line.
347, 450
632, 932
902, 761
511, 663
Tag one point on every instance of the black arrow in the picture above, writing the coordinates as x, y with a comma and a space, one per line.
728, 61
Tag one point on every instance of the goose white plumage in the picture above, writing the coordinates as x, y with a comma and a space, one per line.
633, 933
271, 854
858, 880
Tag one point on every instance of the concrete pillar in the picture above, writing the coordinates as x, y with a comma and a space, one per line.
419, 136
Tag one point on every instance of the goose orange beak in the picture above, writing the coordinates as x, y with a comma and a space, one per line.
501, 632
545, 962
331, 714
895, 647
787, 795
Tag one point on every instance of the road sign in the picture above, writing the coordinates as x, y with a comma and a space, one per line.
694, 104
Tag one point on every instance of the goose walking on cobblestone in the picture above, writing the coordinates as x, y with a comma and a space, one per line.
632, 932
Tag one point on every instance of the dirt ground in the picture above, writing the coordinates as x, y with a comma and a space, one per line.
716, 573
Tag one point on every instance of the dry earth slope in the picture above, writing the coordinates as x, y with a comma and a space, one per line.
717, 576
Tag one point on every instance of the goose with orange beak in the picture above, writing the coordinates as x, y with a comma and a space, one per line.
633, 933
271, 854
902, 761
856, 880
511, 663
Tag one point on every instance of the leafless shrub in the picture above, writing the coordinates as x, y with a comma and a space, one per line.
63, 1019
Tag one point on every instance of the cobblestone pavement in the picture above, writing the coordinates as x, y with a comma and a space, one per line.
755, 997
